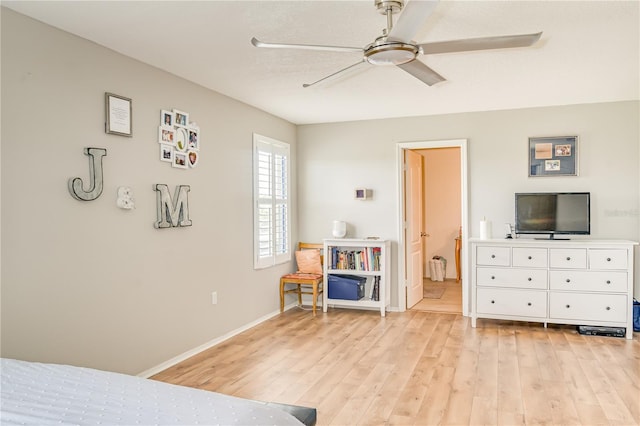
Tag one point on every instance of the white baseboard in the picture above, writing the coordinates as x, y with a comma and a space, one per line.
177, 359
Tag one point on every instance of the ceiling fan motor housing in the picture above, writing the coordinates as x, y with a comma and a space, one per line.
390, 52
394, 5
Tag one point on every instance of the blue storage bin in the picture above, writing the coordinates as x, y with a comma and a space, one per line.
348, 287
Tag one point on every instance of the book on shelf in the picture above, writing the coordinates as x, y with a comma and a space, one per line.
365, 259
372, 289
376, 288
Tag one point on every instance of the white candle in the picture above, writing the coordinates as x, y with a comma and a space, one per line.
485, 229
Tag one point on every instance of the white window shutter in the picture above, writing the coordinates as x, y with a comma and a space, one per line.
271, 200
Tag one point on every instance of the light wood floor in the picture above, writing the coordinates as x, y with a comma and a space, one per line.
450, 302
424, 368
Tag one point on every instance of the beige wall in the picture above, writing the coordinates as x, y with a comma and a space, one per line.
442, 209
86, 282
334, 158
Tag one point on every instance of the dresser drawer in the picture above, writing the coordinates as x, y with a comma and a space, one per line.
505, 277
512, 302
605, 281
568, 258
493, 256
607, 259
588, 307
530, 257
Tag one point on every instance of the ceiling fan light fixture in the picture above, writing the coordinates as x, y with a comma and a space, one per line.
390, 53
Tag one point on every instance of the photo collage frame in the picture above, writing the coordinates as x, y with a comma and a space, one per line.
179, 139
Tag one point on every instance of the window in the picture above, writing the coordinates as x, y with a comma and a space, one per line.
271, 222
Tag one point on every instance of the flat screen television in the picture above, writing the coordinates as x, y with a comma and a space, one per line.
553, 213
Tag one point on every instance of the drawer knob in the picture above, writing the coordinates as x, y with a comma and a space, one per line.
608, 259
493, 301
568, 306
493, 277
493, 256
608, 308
608, 281
529, 257
529, 279
568, 280
568, 257
529, 304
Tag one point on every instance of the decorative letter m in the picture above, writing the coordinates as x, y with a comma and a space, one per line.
172, 214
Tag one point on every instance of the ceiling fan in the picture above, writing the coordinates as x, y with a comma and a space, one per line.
395, 47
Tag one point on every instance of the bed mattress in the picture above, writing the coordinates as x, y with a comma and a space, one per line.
46, 394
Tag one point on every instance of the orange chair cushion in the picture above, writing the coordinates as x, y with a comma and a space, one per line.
309, 261
301, 276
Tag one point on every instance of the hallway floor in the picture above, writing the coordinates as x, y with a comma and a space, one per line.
450, 302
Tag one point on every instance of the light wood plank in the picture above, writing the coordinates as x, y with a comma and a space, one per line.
509, 386
436, 400
614, 407
562, 407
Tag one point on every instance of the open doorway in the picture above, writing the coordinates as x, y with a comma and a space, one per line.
433, 217
441, 227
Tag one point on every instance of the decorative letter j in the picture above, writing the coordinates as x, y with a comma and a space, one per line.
95, 174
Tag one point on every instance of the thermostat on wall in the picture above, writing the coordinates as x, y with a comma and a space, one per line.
363, 194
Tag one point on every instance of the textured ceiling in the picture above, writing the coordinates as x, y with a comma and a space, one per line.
589, 52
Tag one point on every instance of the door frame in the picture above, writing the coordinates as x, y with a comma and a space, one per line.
464, 219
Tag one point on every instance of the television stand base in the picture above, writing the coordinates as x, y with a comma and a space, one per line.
552, 237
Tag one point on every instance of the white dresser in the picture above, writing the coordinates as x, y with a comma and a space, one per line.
582, 282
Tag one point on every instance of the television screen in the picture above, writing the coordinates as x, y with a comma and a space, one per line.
553, 213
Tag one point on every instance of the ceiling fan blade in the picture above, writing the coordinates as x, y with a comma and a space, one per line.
258, 43
483, 43
422, 72
411, 19
334, 74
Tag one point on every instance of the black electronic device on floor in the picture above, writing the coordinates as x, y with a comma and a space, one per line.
602, 331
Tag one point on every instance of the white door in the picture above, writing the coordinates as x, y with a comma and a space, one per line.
413, 211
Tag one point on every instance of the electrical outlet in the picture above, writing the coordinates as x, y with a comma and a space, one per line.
214, 298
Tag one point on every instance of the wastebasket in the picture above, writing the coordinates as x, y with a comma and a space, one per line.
438, 268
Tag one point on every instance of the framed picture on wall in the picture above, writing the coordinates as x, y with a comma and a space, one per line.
553, 156
167, 118
193, 158
181, 118
118, 111
166, 135
180, 160
166, 153
181, 139
194, 138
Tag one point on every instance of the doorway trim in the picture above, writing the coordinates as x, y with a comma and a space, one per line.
464, 219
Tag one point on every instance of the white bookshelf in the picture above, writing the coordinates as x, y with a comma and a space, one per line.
369, 268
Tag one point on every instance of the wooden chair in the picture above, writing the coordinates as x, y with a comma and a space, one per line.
302, 279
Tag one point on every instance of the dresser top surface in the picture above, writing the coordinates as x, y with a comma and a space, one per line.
530, 242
